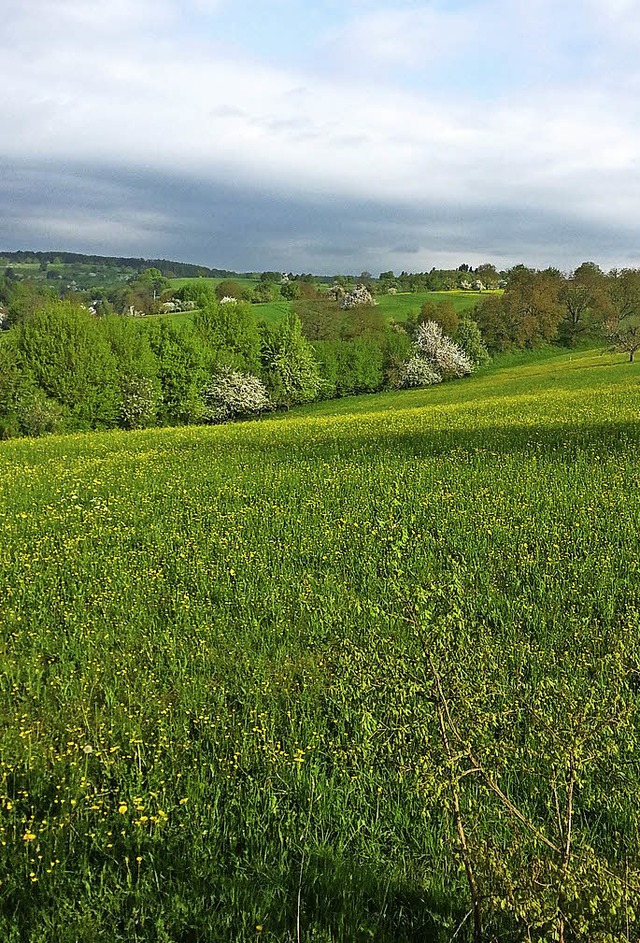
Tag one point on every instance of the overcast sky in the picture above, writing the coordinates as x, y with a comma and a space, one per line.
327, 136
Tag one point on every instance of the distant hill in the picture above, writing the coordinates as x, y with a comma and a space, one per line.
168, 267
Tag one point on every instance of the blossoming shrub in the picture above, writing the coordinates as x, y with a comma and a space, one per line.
234, 395
417, 372
38, 414
138, 401
360, 295
435, 358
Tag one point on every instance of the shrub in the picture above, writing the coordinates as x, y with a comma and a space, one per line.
233, 395
137, 369
396, 349
138, 401
37, 414
9, 378
441, 353
326, 354
443, 313
289, 365
417, 372
180, 371
228, 336
62, 348
469, 338
361, 366
435, 358
229, 287
360, 295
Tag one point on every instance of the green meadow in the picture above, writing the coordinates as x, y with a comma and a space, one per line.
272, 311
403, 304
398, 307
254, 677
181, 282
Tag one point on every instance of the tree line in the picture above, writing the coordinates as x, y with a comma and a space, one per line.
65, 367
68, 366
165, 266
549, 307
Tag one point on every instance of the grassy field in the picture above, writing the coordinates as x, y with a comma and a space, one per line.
25, 268
271, 311
398, 307
178, 318
224, 652
176, 283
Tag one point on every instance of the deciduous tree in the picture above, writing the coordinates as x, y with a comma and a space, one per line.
583, 295
229, 288
622, 322
230, 394
289, 366
67, 357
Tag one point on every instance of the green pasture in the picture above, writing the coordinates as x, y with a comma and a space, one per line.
24, 267
548, 370
400, 306
224, 650
179, 318
271, 311
176, 283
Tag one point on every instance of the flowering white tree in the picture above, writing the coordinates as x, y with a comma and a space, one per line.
232, 395
445, 356
336, 293
138, 401
434, 355
360, 295
417, 372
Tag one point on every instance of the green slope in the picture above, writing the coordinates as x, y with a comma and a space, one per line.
398, 307
216, 684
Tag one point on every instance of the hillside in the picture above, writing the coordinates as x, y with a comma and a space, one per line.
33, 263
230, 653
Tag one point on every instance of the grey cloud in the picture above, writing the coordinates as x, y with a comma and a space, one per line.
109, 210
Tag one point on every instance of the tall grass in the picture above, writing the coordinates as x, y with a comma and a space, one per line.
214, 720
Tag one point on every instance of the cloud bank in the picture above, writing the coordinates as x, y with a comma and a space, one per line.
262, 135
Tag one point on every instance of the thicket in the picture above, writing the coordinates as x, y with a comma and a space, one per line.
549, 307
65, 365
62, 368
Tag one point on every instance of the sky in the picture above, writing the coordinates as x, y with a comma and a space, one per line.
334, 136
